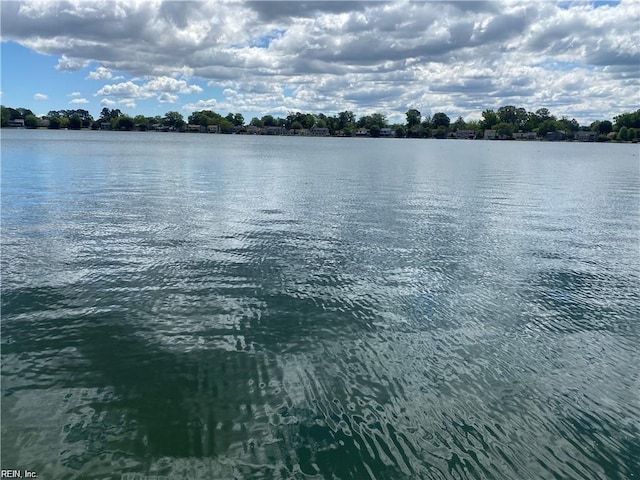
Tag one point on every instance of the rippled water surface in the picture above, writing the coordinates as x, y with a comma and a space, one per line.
207, 306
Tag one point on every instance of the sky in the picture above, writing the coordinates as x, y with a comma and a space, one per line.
579, 59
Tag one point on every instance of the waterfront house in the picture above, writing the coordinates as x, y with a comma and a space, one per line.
253, 130
17, 123
387, 132
192, 127
491, 135
465, 134
362, 132
525, 136
319, 132
275, 130
555, 136
586, 136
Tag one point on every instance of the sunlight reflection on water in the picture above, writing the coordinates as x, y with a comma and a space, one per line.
242, 307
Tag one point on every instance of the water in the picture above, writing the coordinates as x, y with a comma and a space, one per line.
208, 306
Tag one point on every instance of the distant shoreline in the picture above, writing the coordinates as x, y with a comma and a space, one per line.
287, 134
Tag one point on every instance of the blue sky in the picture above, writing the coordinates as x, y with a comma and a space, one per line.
31, 80
578, 59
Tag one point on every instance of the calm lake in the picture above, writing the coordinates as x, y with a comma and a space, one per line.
236, 307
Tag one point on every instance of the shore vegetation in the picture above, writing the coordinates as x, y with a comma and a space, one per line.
506, 123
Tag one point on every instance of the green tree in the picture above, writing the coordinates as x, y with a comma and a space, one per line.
374, 131
107, 115
269, 121
124, 122
546, 126
623, 134
413, 118
441, 131
31, 121
5, 117
543, 114
205, 117
174, 120
400, 131
238, 120
12, 114
440, 120
489, 119
141, 122
332, 124
226, 126
55, 122
459, 124
605, 127
507, 114
368, 121
521, 118
416, 131
505, 129
23, 112
256, 122
308, 120
349, 129
629, 120
345, 118
75, 122
475, 126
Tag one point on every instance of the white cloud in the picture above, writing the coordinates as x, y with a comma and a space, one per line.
210, 104
75, 94
40, 96
365, 56
164, 88
67, 64
127, 103
107, 102
79, 101
124, 89
167, 98
100, 73
168, 84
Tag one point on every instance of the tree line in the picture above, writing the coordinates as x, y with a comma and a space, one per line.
505, 122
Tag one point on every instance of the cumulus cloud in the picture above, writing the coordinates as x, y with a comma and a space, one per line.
124, 89
165, 89
40, 96
100, 73
67, 64
107, 102
386, 56
167, 98
210, 104
127, 103
75, 94
79, 101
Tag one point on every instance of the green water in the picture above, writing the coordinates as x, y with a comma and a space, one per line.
208, 306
